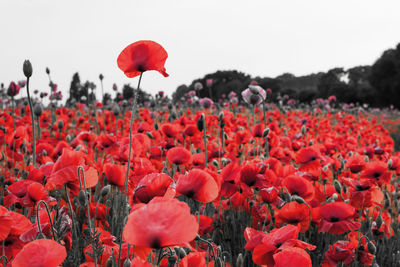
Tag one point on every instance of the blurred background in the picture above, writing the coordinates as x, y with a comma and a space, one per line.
305, 49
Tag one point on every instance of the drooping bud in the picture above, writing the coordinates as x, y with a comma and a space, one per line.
60, 125
298, 199
101, 77
105, 190
200, 123
338, 186
27, 68
82, 198
371, 247
379, 221
47, 70
266, 132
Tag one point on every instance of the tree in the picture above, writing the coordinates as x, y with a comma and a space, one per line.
385, 78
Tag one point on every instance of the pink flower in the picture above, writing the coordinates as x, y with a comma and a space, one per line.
198, 86
254, 95
209, 82
206, 102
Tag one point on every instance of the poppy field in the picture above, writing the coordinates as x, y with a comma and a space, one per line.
243, 181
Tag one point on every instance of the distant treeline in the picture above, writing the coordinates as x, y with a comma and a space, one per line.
377, 85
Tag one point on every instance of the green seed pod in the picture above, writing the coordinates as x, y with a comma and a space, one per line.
390, 163
110, 261
38, 110
266, 132
60, 125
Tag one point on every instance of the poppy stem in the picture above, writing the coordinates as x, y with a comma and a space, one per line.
48, 214
130, 134
33, 124
205, 142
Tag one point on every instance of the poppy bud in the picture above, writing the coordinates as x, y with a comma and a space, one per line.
82, 198
371, 247
47, 70
266, 132
101, 77
366, 159
127, 262
310, 143
105, 190
221, 116
303, 130
171, 261
108, 203
351, 153
379, 221
38, 110
325, 168
254, 99
150, 135
390, 163
27, 68
60, 125
239, 260
298, 199
13, 89
215, 163
338, 186
334, 196
110, 261
180, 252
116, 110
200, 123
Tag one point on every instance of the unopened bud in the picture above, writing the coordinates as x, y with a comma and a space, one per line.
239, 260
105, 190
379, 221
371, 248
390, 163
110, 261
200, 123
82, 198
338, 186
60, 125
38, 110
101, 77
47, 70
266, 132
27, 68
127, 262
298, 199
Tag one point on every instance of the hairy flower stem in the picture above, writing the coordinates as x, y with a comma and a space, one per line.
102, 106
48, 214
265, 118
130, 135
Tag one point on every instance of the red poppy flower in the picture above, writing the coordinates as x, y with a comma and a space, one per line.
142, 56
337, 218
26, 193
277, 240
269, 195
197, 184
179, 156
115, 174
297, 185
363, 193
341, 251
376, 171
170, 130
308, 158
150, 186
65, 171
292, 257
40, 253
161, 223
294, 213
355, 163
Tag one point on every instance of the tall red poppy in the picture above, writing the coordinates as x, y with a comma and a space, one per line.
142, 56
40, 253
179, 156
115, 174
161, 223
197, 184
150, 186
337, 218
294, 213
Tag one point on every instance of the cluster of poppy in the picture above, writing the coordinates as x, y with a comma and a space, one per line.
314, 187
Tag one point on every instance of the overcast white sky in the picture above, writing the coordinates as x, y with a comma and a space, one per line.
258, 37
